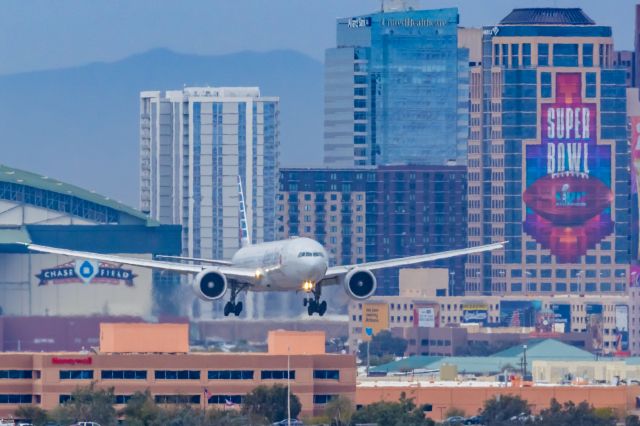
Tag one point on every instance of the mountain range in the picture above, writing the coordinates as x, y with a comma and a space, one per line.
81, 124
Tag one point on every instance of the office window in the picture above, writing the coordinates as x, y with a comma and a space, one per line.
122, 399
561, 287
605, 287
545, 84
590, 90
16, 374
590, 287
177, 375
230, 375
277, 374
587, 54
565, 55
515, 60
526, 54
543, 54
226, 399
76, 374
496, 54
322, 399
545, 287
326, 374
505, 55
64, 398
177, 399
123, 374
15, 399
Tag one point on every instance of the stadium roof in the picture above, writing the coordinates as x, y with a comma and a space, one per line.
69, 194
542, 349
547, 16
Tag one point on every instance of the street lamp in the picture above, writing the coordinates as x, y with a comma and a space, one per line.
524, 362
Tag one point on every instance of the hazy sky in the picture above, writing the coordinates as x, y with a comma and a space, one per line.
42, 34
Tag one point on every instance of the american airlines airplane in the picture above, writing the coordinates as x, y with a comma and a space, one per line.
296, 264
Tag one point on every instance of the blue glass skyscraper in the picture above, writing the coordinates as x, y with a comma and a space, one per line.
396, 90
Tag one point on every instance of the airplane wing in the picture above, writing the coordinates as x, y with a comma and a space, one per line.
196, 259
232, 272
336, 271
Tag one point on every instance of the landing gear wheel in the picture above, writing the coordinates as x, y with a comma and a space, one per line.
312, 307
228, 308
237, 309
322, 308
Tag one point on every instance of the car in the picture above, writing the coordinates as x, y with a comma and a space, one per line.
454, 420
285, 422
474, 420
85, 424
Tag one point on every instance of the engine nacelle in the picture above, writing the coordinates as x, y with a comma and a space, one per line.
360, 284
209, 285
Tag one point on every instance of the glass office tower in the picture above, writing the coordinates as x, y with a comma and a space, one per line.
396, 90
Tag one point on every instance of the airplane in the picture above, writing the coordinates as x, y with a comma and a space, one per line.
294, 264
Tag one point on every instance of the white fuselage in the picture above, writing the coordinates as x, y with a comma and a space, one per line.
286, 264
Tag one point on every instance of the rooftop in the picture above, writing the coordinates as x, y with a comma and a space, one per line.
547, 16
50, 185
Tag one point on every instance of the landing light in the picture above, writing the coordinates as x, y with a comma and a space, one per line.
307, 286
259, 274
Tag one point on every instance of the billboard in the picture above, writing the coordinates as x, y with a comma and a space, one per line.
375, 318
622, 328
425, 317
568, 176
475, 313
595, 325
561, 317
519, 313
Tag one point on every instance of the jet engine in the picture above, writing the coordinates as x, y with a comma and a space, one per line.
209, 285
360, 284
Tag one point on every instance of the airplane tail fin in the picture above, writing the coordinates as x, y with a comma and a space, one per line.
245, 238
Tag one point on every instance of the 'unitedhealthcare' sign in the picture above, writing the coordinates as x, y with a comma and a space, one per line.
410, 22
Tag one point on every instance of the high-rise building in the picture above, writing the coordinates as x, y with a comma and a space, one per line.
626, 59
396, 90
549, 163
194, 143
376, 213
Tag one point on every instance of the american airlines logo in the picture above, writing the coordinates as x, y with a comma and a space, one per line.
359, 22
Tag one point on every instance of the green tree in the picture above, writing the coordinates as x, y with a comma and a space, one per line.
270, 402
383, 344
339, 410
569, 413
401, 413
37, 415
141, 410
498, 410
87, 404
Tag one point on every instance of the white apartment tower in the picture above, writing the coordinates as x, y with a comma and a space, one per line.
194, 143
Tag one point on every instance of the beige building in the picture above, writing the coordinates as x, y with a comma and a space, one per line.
586, 372
423, 303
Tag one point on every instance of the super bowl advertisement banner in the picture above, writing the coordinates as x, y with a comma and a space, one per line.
622, 329
635, 179
568, 176
475, 313
519, 313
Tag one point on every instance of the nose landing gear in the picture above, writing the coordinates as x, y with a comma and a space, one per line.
313, 304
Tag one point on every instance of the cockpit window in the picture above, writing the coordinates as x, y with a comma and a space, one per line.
317, 254
305, 254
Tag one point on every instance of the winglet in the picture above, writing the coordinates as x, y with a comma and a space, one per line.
245, 239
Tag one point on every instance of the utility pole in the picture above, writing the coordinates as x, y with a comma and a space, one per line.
368, 356
289, 386
524, 362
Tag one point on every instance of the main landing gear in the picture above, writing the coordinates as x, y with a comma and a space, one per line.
313, 304
232, 306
